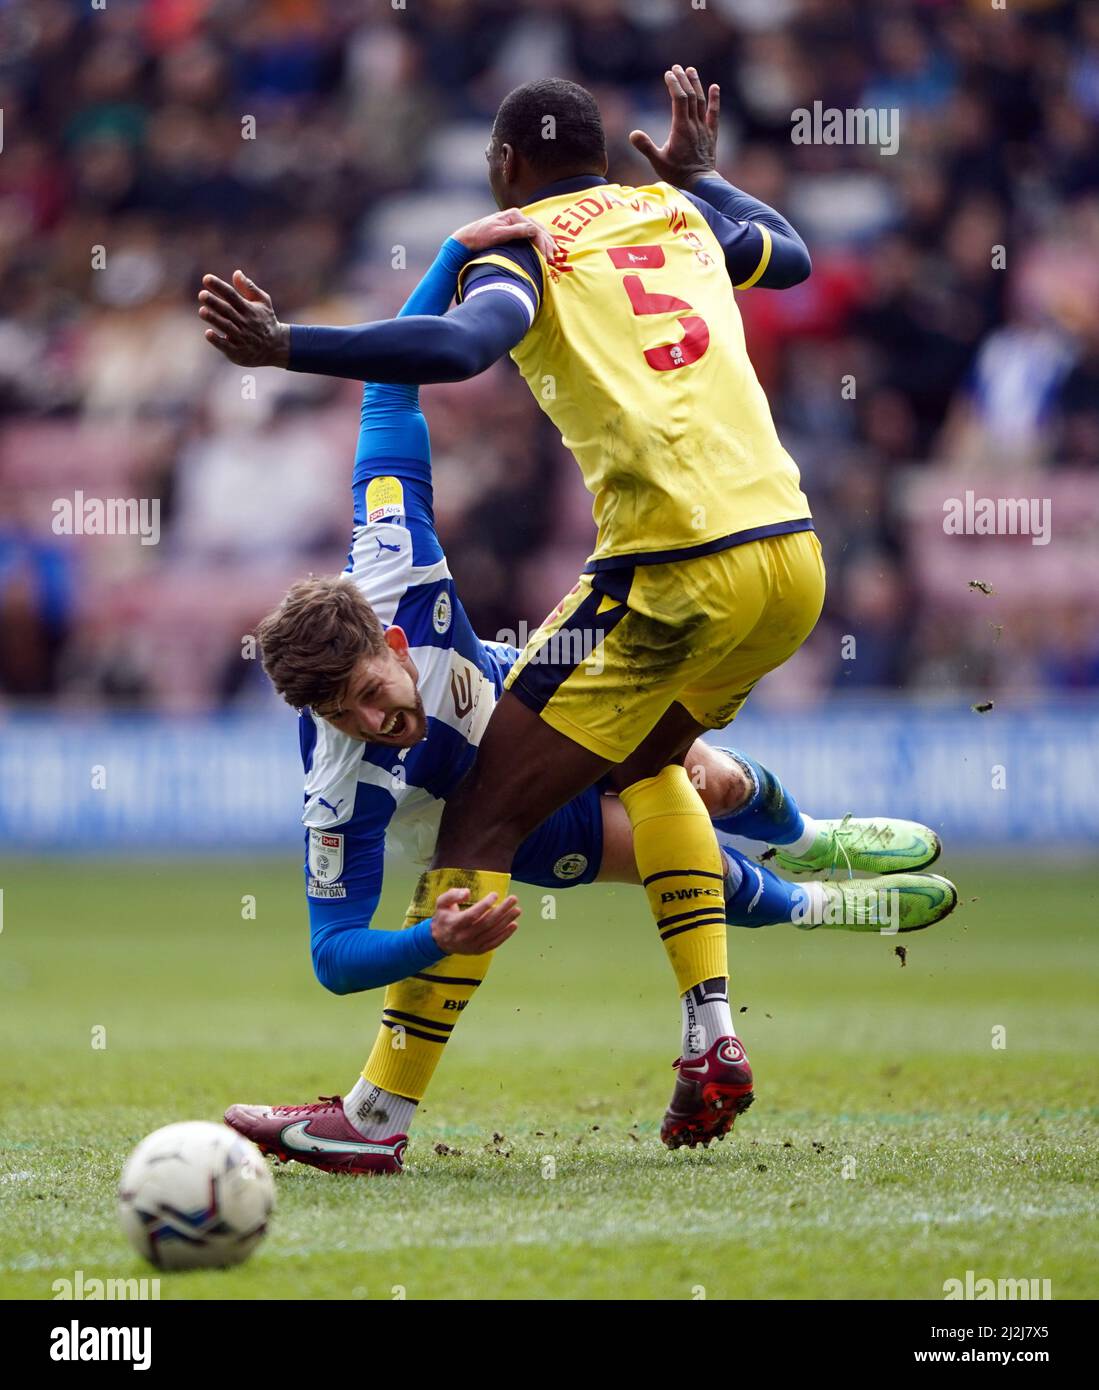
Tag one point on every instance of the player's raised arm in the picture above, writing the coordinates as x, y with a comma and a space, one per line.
761, 247
415, 348
393, 433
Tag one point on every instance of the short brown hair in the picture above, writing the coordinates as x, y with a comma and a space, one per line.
313, 640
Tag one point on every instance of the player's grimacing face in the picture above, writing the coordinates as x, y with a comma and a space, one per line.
380, 702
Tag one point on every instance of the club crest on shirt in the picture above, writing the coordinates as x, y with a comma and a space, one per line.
441, 613
570, 866
325, 855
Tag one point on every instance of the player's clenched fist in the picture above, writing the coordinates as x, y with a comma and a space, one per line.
473, 930
242, 322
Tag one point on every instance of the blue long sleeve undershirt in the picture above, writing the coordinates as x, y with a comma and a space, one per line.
391, 425
790, 263
348, 958
414, 349
419, 347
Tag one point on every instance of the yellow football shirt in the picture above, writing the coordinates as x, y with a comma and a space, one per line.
637, 355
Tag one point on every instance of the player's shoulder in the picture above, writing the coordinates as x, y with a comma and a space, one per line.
517, 257
643, 196
656, 188
515, 267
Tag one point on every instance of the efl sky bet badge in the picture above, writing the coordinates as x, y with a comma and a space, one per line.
325, 855
384, 499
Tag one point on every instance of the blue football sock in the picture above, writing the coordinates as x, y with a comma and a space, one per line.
770, 814
756, 897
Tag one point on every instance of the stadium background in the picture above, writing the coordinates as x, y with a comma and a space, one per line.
127, 129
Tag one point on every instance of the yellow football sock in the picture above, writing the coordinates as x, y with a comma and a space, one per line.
419, 1013
680, 867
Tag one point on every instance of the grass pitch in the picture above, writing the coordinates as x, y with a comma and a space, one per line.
892, 1145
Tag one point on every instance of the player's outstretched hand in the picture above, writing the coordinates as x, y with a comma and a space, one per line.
509, 225
473, 930
242, 322
690, 151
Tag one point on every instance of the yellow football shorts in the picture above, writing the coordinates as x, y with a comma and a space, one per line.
627, 643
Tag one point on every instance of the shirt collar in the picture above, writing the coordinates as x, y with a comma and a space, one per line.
559, 186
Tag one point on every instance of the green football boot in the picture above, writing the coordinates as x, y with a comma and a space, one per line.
862, 845
888, 905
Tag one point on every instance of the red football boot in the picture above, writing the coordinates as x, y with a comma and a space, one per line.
710, 1092
318, 1134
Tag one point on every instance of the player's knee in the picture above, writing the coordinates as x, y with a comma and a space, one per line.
720, 779
728, 786
489, 844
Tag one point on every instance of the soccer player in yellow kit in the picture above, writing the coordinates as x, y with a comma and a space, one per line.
706, 573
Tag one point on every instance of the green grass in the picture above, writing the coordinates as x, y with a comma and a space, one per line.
963, 1156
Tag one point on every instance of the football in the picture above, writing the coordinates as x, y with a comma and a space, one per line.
194, 1196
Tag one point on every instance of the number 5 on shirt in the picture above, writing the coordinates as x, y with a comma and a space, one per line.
696, 335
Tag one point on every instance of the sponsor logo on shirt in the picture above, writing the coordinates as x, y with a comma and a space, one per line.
325, 855
315, 889
384, 499
461, 691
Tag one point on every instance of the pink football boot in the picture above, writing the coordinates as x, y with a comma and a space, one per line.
710, 1092
318, 1134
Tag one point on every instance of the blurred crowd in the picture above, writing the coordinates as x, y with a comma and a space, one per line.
948, 339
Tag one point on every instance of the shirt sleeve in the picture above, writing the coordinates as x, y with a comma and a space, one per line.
393, 387
513, 269
344, 865
394, 444
417, 349
761, 247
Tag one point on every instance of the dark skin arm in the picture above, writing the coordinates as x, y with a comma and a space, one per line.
241, 321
